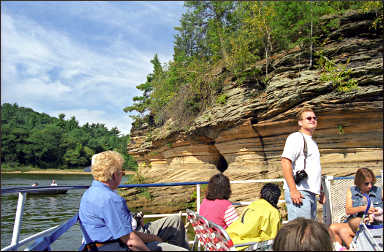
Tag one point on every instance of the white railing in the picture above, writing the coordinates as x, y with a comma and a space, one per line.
15, 243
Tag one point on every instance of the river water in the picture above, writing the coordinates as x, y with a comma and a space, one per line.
42, 212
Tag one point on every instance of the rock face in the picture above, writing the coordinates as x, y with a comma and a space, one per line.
250, 129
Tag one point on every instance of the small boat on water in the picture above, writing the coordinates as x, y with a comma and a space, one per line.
48, 191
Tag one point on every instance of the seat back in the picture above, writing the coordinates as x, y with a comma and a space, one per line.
211, 236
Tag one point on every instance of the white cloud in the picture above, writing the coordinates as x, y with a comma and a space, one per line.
49, 69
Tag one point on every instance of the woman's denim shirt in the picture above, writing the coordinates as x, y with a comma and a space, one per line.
358, 198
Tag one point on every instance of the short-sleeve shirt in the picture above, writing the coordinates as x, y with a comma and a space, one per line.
294, 151
104, 213
219, 211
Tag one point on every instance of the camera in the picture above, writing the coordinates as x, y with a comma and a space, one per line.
138, 216
299, 176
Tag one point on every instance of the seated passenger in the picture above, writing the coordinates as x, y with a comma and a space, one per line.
216, 207
107, 220
53, 183
356, 205
261, 220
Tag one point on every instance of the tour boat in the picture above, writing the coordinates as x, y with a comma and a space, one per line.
333, 209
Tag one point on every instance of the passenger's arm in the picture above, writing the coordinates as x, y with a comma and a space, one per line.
286, 165
133, 241
349, 209
148, 237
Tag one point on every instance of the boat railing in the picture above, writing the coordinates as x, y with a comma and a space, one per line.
23, 191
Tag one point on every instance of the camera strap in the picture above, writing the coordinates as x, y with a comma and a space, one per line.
305, 150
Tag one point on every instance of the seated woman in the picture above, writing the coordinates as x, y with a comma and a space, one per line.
261, 220
356, 205
216, 207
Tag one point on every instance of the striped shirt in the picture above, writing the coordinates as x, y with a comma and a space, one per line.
230, 215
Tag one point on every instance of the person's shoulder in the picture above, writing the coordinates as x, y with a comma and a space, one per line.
295, 135
352, 190
376, 189
223, 202
260, 204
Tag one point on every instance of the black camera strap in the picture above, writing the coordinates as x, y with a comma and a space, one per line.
305, 150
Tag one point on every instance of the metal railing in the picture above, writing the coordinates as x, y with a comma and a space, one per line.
22, 195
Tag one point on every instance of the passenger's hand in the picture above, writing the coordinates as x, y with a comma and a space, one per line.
322, 198
371, 210
158, 239
296, 197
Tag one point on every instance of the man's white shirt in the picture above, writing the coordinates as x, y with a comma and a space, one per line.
294, 151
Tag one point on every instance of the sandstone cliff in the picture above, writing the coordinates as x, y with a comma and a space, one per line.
250, 129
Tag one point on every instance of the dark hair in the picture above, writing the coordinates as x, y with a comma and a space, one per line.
362, 174
218, 187
271, 193
303, 234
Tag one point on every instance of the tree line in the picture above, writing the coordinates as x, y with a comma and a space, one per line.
29, 138
218, 41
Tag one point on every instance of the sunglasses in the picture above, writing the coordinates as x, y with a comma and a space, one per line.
309, 118
367, 183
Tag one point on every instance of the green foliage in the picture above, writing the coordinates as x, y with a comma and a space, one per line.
35, 139
222, 99
340, 129
192, 201
139, 179
219, 41
338, 74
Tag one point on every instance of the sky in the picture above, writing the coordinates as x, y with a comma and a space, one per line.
83, 59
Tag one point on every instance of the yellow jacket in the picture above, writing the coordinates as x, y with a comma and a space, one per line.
260, 221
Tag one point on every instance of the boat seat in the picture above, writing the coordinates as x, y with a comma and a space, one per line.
214, 237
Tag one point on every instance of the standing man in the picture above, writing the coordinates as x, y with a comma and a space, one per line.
301, 167
107, 220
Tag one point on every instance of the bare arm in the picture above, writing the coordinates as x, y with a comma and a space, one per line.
348, 205
133, 241
148, 237
286, 165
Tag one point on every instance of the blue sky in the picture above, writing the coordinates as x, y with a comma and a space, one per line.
83, 59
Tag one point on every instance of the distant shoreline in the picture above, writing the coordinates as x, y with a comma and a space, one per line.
56, 172
46, 172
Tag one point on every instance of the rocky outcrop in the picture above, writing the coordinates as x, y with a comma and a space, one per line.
250, 129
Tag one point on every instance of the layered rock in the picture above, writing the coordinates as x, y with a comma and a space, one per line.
250, 129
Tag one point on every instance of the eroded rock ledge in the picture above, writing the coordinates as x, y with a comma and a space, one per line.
249, 131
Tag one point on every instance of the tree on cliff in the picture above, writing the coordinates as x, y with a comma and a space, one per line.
222, 41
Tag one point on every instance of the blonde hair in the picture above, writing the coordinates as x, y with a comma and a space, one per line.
299, 115
105, 164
